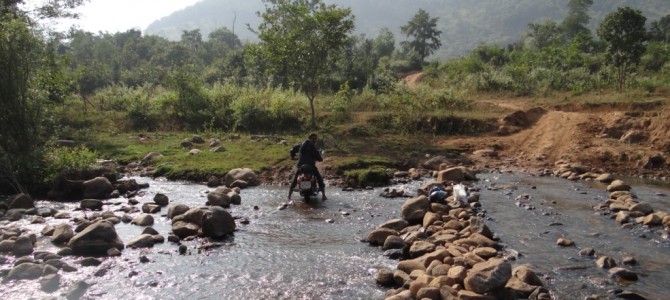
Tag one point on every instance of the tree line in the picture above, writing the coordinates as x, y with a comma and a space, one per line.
54, 85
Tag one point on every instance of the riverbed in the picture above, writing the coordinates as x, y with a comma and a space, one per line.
314, 250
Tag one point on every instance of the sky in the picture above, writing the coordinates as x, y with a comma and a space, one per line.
121, 15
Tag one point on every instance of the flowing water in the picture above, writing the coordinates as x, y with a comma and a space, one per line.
313, 251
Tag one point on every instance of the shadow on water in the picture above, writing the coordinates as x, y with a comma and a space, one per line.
294, 253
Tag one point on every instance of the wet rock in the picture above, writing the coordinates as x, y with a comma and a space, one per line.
623, 273
161, 199
642, 207
393, 242
395, 224
126, 218
563, 242
149, 158
239, 184
652, 220
62, 215
89, 262
22, 246
428, 292
378, 236
182, 249
143, 220
414, 209
113, 252
456, 174
50, 283
213, 181
525, 274
618, 185
629, 260
62, 234
488, 276
589, 252
420, 248
91, 204
142, 241
605, 262
149, 230
21, 201
217, 223
244, 174
27, 271
384, 277
629, 295
184, 229
219, 197
65, 251
193, 215
23, 259
96, 239
470, 295
97, 188
177, 209
150, 208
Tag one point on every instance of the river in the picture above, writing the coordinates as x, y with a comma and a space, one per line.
313, 251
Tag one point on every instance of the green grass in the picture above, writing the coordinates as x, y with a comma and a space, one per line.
177, 163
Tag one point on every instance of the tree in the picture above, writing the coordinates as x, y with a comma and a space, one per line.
545, 34
426, 36
660, 30
300, 40
624, 33
26, 82
578, 17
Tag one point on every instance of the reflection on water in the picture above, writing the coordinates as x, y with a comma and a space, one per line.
295, 254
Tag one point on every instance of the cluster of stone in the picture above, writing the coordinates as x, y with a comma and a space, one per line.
446, 251
623, 206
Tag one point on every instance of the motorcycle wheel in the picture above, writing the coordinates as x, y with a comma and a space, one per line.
306, 197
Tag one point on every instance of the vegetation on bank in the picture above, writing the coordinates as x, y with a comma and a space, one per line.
103, 90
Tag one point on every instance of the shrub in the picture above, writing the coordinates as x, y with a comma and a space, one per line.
374, 176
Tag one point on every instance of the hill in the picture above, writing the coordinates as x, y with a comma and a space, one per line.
464, 23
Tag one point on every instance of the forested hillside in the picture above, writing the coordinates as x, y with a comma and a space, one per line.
465, 24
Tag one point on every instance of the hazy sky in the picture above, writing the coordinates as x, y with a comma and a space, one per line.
121, 15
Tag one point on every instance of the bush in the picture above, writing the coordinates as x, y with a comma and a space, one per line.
374, 176
62, 160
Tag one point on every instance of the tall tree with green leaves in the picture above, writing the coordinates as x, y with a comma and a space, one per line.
29, 75
426, 36
578, 17
660, 30
301, 39
625, 35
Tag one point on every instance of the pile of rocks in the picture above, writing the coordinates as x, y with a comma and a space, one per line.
447, 252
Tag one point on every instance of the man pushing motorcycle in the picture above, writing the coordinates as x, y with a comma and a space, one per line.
309, 155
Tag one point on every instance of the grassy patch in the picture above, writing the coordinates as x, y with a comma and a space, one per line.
374, 176
177, 163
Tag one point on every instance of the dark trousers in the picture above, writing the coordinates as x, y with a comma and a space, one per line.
316, 173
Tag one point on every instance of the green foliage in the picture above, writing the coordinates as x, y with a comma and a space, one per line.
577, 19
374, 176
62, 160
625, 34
300, 40
426, 37
341, 106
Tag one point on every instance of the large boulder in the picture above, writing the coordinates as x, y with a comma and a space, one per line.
217, 223
22, 246
96, 239
91, 204
161, 199
26, 271
244, 174
142, 241
97, 188
413, 210
488, 276
456, 174
184, 229
177, 209
378, 236
62, 234
143, 220
219, 197
21, 201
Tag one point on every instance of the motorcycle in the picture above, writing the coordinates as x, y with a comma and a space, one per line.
307, 184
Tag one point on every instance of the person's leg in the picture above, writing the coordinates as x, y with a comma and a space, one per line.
322, 185
293, 184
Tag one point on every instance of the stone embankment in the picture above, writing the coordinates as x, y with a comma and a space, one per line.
446, 251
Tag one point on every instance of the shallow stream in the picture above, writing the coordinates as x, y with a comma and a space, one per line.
313, 251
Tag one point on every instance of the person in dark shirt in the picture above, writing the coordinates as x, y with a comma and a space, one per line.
309, 155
